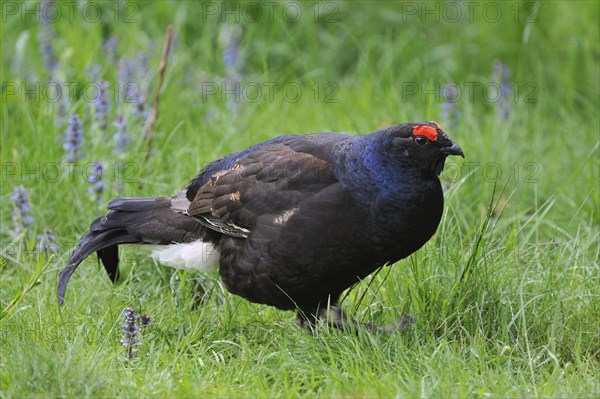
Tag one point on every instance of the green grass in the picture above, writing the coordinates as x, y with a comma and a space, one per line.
506, 295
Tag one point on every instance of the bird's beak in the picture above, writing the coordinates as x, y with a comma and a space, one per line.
454, 149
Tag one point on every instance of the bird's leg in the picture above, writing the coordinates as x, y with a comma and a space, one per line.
305, 320
334, 316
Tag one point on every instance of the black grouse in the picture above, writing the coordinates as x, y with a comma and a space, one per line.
291, 222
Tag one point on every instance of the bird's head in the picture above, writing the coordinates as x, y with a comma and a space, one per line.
422, 144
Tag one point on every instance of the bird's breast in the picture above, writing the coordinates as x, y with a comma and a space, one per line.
404, 222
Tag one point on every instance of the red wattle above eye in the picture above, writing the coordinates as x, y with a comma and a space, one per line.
425, 131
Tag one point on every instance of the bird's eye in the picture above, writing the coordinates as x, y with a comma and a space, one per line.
420, 140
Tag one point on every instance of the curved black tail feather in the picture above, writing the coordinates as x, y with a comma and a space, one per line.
129, 221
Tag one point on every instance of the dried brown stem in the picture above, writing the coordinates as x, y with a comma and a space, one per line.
162, 67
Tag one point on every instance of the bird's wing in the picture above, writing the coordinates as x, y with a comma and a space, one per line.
268, 180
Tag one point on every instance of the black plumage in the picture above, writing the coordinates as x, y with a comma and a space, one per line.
297, 219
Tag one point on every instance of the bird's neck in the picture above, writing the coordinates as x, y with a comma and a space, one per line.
371, 175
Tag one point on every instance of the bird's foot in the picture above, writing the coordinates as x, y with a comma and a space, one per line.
335, 317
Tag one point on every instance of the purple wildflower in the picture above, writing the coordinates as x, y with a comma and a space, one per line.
141, 71
126, 77
73, 139
230, 37
502, 73
130, 75
21, 214
62, 105
121, 136
109, 47
92, 72
450, 114
142, 66
140, 109
130, 331
46, 242
95, 178
231, 53
47, 34
123, 72
102, 105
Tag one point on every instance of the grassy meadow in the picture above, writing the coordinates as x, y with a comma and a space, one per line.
506, 295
